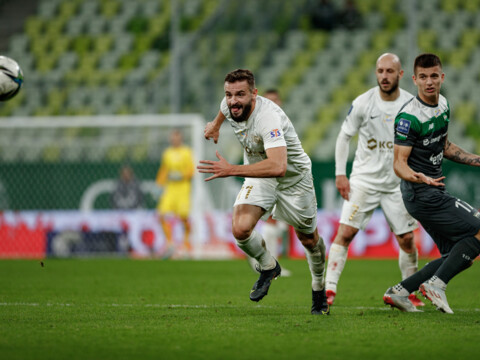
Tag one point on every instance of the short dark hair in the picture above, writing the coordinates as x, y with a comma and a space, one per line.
426, 60
241, 75
271, 91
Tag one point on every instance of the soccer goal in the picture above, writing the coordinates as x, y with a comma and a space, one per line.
63, 170
69, 162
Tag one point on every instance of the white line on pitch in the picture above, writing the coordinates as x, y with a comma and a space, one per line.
185, 306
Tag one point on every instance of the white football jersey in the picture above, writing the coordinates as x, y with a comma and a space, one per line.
373, 119
268, 127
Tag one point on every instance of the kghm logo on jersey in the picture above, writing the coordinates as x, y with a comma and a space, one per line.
275, 133
382, 145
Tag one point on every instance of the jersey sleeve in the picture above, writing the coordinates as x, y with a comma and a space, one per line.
271, 131
224, 107
407, 129
162, 173
341, 153
354, 119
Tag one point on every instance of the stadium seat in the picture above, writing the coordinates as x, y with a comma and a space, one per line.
75, 47
48, 9
450, 6
472, 6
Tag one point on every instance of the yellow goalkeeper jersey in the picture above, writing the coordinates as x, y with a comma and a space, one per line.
177, 167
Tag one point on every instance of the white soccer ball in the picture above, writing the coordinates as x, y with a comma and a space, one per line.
11, 78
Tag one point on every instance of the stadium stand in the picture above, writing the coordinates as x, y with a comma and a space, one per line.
113, 57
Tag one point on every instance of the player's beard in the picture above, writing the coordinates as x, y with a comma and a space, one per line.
245, 113
392, 89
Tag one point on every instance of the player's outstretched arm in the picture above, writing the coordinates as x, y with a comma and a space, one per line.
455, 153
212, 129
405, 172
219, 169
275, 165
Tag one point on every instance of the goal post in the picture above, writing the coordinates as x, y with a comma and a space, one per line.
71, 164
110, 139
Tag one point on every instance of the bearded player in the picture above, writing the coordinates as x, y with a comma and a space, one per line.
372, 182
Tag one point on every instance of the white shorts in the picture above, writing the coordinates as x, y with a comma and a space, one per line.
295, 205
357, 211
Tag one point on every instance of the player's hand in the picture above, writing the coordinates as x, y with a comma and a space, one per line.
219, 169
343, 186
422, 178
211, 132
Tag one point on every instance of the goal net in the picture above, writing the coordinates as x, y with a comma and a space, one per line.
57, 176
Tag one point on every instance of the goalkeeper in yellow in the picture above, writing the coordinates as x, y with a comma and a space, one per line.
174, 176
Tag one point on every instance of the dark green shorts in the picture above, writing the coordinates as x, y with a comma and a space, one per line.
445, 218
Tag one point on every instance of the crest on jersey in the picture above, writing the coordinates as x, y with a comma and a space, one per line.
275, 133
388, 119
402, 129
403, 126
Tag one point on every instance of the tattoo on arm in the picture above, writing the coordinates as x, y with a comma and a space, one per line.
455, 153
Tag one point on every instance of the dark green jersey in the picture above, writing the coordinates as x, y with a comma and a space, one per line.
424, 127
447, 219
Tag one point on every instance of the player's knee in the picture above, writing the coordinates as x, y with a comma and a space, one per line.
309, 241
406, 241
345, 235
474, 244
241, 231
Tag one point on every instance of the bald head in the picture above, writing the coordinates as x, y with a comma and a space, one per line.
389, 72
389, 59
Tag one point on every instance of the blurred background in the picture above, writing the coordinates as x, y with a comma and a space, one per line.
106, 80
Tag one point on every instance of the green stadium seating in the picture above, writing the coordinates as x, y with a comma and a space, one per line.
113, 56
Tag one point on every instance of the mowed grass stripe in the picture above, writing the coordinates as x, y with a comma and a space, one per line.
130, 309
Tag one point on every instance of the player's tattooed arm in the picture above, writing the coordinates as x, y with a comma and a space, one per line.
455, 153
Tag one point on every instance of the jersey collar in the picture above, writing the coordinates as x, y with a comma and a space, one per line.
424, 103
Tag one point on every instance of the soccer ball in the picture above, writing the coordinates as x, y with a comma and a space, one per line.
11, 78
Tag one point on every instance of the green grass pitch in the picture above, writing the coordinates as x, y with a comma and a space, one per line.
134, 309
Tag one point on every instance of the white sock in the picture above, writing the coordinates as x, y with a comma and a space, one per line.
270, 234
316, 263
254, 246
408, 263
438, 282
253, 263
400, 290
337, 257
